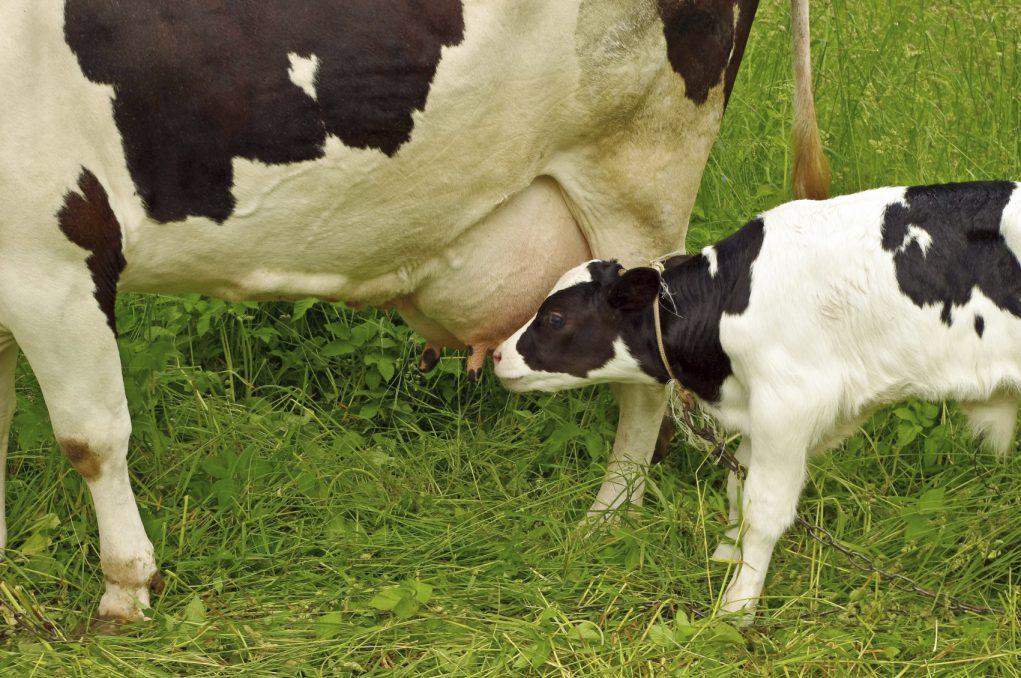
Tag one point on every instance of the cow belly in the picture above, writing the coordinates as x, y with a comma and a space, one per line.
493, 278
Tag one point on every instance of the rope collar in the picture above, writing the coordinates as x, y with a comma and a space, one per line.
658, 266
659, 340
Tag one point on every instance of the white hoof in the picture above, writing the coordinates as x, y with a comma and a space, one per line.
596, 520
121, 603
727, 553
739, 605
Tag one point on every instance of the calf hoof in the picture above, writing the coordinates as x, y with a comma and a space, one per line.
727, 552
739, 605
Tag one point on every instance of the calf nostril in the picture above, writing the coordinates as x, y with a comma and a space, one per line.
497, 357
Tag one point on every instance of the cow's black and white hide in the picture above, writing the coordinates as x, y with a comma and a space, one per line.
797, 326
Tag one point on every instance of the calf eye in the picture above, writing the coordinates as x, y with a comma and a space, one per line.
555, 320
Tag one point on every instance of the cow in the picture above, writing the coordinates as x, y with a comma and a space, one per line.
449, 159
795, 328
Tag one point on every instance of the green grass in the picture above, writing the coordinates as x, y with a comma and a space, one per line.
296, 474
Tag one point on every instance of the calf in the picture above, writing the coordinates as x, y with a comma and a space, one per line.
796, 327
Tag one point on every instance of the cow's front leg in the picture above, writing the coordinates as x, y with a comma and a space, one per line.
73, 353
776, 473
641, 412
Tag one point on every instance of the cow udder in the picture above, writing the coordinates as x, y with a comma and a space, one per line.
493, 278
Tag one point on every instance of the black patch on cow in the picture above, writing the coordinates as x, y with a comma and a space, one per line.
700, 38
980, 326
692, 333
745, 17
88, 221
584, 342
200, 82
967, 250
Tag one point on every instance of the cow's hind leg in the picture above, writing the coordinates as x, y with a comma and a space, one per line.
73, 352
993, 422
641, 412
8, 361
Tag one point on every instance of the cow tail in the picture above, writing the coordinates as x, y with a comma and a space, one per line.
811, 170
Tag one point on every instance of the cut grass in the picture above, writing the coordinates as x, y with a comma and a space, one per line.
318, 508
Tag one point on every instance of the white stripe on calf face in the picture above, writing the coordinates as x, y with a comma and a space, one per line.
576, 276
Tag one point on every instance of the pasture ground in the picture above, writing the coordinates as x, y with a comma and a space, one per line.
319, 508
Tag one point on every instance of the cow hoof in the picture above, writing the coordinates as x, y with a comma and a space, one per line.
598, 519
122, 604
102, 626
741, 619
430, 359
474, 375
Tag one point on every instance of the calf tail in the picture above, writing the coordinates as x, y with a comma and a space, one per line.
811, 171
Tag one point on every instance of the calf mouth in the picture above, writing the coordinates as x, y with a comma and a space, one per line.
513, 382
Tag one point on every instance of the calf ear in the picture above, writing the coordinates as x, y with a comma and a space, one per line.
634, 289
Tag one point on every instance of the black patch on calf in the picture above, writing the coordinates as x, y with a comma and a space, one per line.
198, 83
967, 249
692, 334
88, 221
700, 38
980, 326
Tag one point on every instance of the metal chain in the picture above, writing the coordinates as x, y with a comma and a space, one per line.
723, 457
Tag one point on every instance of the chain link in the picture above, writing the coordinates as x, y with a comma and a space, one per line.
683, 404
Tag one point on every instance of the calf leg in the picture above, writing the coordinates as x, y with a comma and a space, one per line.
776, 473
641, 413
8, 361
74, 355
728, 550
993, 421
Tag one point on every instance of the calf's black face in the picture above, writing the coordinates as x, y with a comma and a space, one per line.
585, 332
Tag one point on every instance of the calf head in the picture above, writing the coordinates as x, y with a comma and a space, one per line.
595, 326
